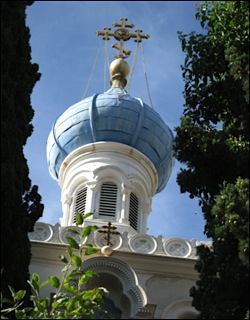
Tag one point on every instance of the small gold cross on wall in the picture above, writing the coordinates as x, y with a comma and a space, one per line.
109, 230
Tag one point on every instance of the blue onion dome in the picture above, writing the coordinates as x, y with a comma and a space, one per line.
113, 116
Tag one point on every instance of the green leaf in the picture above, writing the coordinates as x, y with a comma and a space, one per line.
76, 260
35, 277
70, 279
20, 314
34, 285
19, 295
69, 288
39, 306
87, 230
4, 312
90, 294
76, 273
35, 282
83, 279
87, 215
90, 251
44, 302
70, 305
79, 218
70, 252
54, 281
73, 231
90, 274
88, 245
44, 283
72, 242
12, 291
55, 305
62, 300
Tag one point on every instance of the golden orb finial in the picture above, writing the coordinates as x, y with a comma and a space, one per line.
119, 70
106, 251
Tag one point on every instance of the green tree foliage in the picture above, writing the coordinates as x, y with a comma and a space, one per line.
20, 201
71, 299
213, 142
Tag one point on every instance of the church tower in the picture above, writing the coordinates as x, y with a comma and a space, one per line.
111, 153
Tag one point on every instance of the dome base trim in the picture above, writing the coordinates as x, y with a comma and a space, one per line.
108, 152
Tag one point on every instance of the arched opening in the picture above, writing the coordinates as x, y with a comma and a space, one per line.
115, 302
121, 282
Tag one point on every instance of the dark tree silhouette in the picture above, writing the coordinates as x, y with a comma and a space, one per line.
213, 141
21, 203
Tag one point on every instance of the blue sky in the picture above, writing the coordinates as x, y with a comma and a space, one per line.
64, 45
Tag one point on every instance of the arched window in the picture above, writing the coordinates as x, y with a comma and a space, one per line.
133, 210
80, 202
108, 200
125, 294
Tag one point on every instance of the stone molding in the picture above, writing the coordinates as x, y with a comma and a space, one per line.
126, 242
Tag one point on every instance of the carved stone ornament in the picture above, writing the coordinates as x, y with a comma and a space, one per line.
101, 240
42, 232
142, 244
65, 232
177, 248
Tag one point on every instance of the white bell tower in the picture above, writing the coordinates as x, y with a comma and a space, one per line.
111, 152
114, 181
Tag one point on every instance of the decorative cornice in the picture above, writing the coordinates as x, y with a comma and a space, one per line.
126, 242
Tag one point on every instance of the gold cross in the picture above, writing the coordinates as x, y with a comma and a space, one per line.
122, 35
139, 36
109, 232
123, 24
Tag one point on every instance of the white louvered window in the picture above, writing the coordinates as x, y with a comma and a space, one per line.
108, 200
133, 210
80, 203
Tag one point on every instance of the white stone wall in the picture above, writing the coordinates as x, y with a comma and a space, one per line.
155, 281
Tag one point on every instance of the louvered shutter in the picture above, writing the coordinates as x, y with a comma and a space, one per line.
133, 210
108, 200
80, 203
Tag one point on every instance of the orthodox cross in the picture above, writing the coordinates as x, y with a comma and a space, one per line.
108, 230
122, 35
